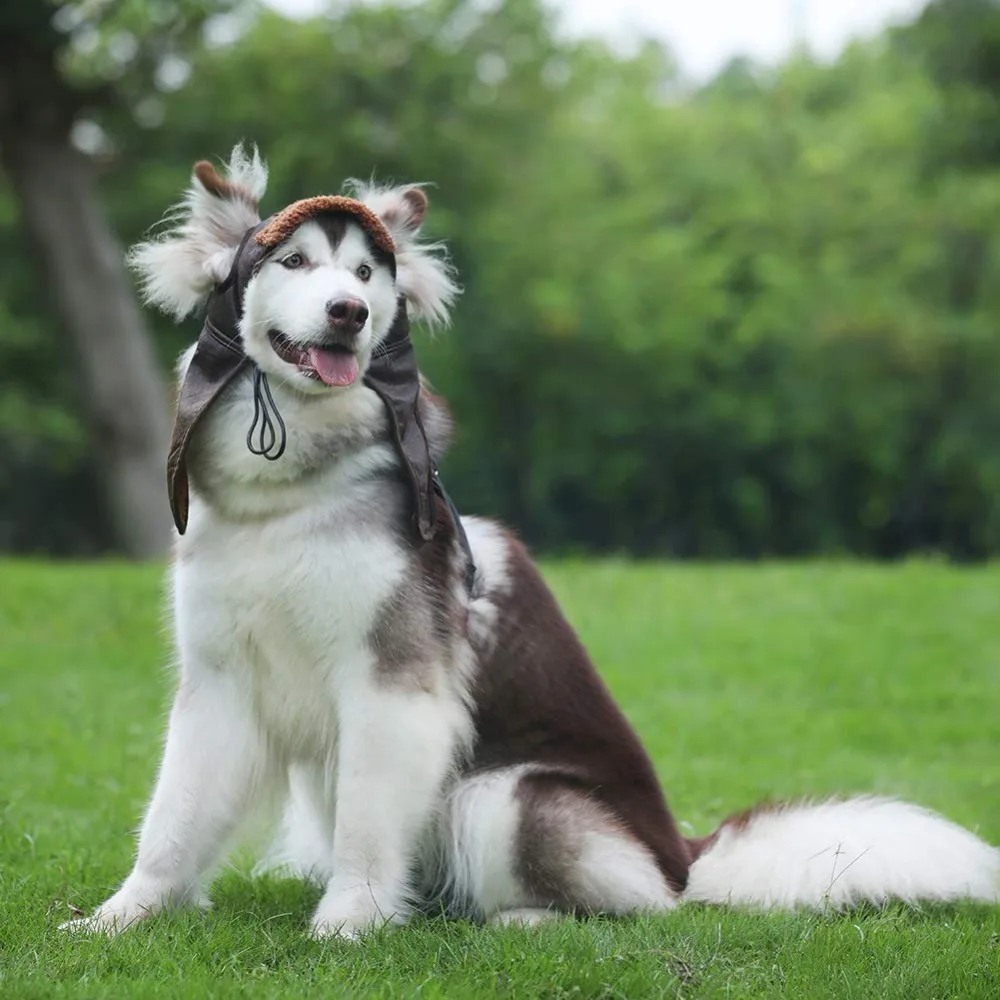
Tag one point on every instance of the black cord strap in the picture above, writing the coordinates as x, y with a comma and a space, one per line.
267, 444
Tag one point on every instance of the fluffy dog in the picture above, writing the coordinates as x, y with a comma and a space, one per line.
437, 736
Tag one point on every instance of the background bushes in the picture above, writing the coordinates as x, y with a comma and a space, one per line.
757, 317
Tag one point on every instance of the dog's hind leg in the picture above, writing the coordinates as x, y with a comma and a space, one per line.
303, 847
524, 845
213, 764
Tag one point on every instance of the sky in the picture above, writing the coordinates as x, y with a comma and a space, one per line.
704, 34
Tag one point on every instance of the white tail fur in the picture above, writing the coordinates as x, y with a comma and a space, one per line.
837, 854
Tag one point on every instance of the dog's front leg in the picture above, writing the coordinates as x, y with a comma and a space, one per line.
394, 750
212, 761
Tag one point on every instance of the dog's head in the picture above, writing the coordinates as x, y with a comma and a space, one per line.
324, 297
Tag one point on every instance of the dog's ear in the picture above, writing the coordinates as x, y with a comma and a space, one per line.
423, 272
404, 212
178, 267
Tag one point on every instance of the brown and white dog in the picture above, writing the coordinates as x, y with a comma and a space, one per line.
432, 739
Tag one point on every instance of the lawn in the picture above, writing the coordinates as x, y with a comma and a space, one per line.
745, 682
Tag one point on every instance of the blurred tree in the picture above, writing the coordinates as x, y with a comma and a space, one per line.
57, 61
959, 43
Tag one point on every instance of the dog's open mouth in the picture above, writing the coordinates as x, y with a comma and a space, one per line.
333, 365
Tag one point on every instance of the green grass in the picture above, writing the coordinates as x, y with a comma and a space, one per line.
744, 682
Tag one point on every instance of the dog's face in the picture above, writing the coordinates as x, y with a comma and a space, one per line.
316, 310
319, 305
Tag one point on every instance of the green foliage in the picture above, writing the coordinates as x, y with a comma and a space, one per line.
743, 682
755, 318
960, 43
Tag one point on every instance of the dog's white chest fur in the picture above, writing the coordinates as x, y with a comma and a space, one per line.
288, 603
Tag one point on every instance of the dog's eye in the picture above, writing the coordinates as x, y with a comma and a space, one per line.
292, 261
364, 272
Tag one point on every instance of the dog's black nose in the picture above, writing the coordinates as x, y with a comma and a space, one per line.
347, 315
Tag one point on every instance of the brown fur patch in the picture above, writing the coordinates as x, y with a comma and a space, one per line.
407, 651
554, 820
290, 218
402, 637
414, 633
539, 700
741, 820
439, 570
698, 845
737, 822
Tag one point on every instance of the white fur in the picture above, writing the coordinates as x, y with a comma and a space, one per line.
303, 847
840, 853
178, 268
396, 750
617, 874
482, 828
490, 550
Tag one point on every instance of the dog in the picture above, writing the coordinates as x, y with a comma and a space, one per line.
415, 701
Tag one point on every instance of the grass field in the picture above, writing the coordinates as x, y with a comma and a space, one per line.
744, 682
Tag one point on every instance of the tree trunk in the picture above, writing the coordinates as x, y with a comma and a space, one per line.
60, 207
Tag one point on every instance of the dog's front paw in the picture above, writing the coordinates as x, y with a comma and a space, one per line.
110, 919
352, 914
133, 903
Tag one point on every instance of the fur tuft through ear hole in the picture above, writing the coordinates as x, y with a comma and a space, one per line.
178, 268
216, 185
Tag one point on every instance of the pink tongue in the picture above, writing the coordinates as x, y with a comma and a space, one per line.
334, 367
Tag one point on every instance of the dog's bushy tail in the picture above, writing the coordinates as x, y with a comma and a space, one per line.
840, 853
